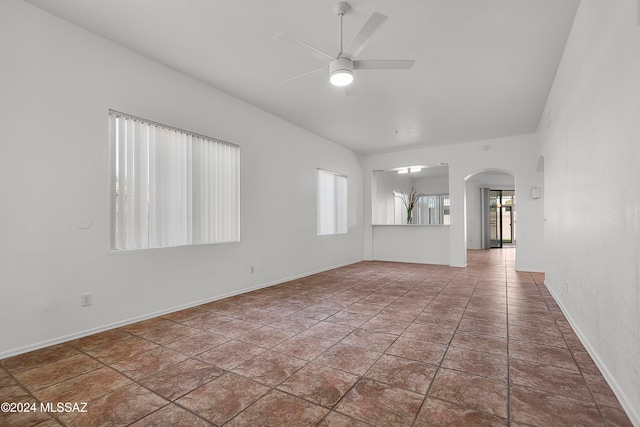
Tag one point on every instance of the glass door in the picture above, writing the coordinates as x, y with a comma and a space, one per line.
501, 217
495, 218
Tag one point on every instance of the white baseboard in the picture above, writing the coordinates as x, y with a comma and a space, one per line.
87, 332
529, 270
632, 412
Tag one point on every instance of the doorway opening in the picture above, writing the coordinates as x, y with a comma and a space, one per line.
502, 211
481, 208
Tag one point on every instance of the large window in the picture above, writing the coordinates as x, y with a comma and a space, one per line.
171, 187
332, 203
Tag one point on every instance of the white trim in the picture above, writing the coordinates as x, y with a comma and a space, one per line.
87, 332
627, 405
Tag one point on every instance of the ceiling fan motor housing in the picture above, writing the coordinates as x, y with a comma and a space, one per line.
341, 71
341, 64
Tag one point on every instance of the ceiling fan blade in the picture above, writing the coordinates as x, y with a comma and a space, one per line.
351, 90
383, 64
366, 31
292, 41
306, 74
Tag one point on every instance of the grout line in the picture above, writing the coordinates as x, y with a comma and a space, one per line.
506, 285
443, 278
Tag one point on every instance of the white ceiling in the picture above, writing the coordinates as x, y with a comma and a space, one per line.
483, 67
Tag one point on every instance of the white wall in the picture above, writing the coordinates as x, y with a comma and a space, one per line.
591, 134
385, 184
57, 83
517, 155
411, 243
432, 185
474, 214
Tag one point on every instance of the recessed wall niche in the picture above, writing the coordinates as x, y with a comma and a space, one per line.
391, 186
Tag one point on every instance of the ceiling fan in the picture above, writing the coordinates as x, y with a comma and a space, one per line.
342, 65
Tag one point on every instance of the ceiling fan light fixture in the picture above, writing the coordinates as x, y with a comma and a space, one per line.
341, 78
341, 72
341, 66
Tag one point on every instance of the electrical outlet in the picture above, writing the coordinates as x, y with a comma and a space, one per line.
86, 299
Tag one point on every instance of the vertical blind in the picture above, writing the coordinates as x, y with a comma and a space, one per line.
332, 203
433, 209
172, 187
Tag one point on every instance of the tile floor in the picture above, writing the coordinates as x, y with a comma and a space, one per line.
373, 343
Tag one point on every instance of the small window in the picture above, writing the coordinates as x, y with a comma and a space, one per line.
171, 187
332, 203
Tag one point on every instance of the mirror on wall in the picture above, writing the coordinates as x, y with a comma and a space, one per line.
416, 194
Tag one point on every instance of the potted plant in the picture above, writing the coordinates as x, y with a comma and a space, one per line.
409, 201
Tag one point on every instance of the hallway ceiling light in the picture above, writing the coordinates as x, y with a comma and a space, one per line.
410, 170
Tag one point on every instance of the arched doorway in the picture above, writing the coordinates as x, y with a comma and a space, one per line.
490, 204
